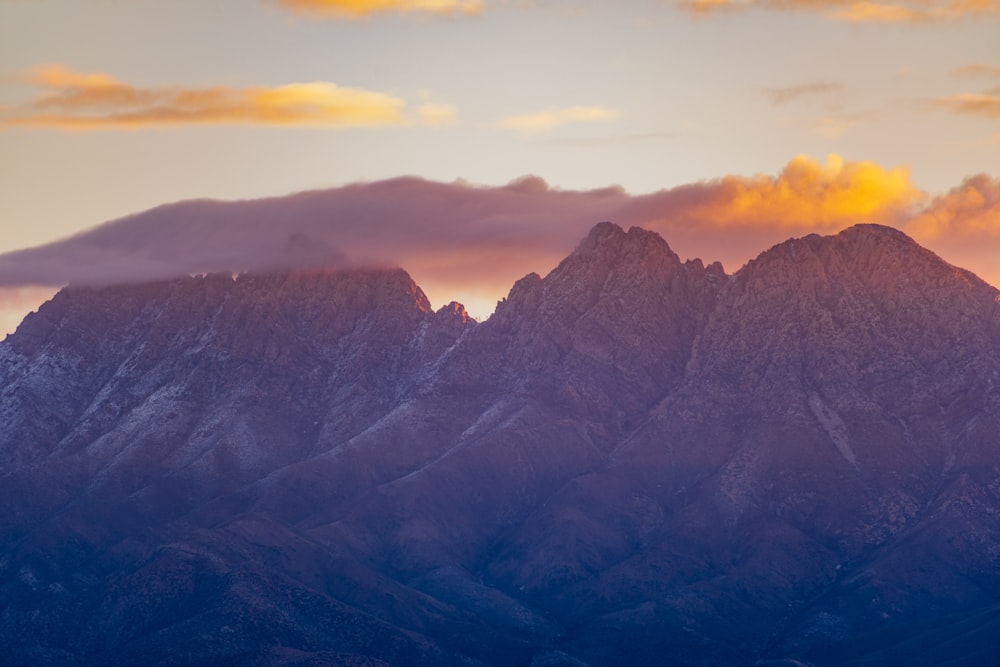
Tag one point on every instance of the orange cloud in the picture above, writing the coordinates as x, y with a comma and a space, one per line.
550, 118
963, 226
358, 8
74, 101
971, 210
860, 11
982, 104
808, 195
471, 243
734, 218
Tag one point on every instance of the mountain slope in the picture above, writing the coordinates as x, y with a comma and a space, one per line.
634, 457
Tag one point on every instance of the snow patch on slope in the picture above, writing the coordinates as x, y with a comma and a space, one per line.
834, 426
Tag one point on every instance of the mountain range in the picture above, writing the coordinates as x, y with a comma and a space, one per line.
634, 460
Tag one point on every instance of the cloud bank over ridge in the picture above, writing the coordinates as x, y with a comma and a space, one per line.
859, 11
471, 243
361, 8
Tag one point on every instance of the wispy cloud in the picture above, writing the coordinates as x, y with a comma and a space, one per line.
437, 114
978, 70
359, 8
976, 104
546, 120
839, 123
610, 140
859, 11
986, 103
75, 101
787, 94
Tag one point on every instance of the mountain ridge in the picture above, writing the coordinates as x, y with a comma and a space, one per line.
633, 457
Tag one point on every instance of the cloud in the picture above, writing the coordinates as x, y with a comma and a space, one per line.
644, 138
437, 114
359, 8
969, 213
964, 223
471, 243
837, 124
786, 94
806, 195
550, 118
859, 11
70, 100
978, 70
977, 104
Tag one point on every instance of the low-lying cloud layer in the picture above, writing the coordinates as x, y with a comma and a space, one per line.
853, 11
358, 8
860, 11
75, 101
471, 243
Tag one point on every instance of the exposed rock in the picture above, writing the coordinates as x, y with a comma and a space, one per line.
635, 459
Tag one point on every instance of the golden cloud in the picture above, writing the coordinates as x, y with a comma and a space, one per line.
963, 226
74, 101
971, 210
859, 11
550, 118
471, 243
807, 195
359, 8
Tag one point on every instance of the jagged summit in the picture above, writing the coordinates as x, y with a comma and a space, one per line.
863, 229
264, 297
867, 257
609, 242
634, 457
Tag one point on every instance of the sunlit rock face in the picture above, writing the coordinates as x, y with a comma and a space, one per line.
636, 460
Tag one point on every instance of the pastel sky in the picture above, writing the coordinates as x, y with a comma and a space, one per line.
112, 107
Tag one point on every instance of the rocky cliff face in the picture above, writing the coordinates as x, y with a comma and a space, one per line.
635, 457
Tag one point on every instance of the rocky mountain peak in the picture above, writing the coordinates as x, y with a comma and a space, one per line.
871, 256
841, 311
622, 302
609, 264
260, 301
607, 244
634, 457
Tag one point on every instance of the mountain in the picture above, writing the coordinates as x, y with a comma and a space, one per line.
634, 460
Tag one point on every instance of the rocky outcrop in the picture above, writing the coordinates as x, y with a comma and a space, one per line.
634, 457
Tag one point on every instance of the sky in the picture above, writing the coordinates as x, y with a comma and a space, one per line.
727, 125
